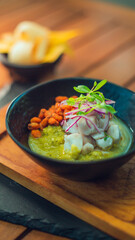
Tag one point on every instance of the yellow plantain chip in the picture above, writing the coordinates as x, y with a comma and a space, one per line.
4, 47
23, 36
54, 52
7, 37
6, 41
40, 49
57, 37
32, 43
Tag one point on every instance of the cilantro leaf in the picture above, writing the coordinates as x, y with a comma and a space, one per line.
100, 84
82, 89
71, 101
110, 109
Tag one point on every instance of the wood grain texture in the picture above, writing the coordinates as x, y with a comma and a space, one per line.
119, 69
5, 77
2, 119
9, 231
57, 17
36, 235
125, 16
94, 52
30, 13
108, 204
105, 49
13, 5
131, 84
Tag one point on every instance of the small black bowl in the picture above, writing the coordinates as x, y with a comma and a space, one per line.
40, 96
28, 72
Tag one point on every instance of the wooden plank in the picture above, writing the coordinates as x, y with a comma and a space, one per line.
58, 17
13, 6
90, 26
2, 119
107, 204
131, 84
36, 235
52, 14
9, 231
98, 25
5, 77
124, 15
118, 70
95, 52
29, 13
38, 10
79, 18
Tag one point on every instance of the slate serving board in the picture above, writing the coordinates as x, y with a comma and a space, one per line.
27, 208
15, 89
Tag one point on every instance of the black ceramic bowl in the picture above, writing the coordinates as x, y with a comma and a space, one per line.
28, 72
30, 102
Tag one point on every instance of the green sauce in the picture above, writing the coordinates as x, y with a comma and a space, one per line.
51, 144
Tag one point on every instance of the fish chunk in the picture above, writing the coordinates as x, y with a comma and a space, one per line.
88, 139
98, 135
88, 147
83, 127
104, 143
101, 122
73, 129
104, 122
114, 132
73, 139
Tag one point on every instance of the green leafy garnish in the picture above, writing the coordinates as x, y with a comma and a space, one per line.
82, 89
100, 84
93, 96
106, 136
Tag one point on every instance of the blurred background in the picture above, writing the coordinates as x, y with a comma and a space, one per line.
105, 47
128, 3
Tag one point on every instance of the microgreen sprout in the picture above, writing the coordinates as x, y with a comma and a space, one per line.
94, 98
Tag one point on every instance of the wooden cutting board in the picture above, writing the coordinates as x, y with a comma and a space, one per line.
107, 204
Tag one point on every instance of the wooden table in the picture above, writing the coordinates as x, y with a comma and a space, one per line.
105, 49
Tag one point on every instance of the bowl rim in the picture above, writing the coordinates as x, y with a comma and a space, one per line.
5, 62
55, 160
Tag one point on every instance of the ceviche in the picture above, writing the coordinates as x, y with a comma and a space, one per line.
80, 127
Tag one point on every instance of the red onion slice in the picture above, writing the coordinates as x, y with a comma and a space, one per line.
106, 123
86, 118
109, 102
72, 124
98, 129
88, 124
76, 110
100, 111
